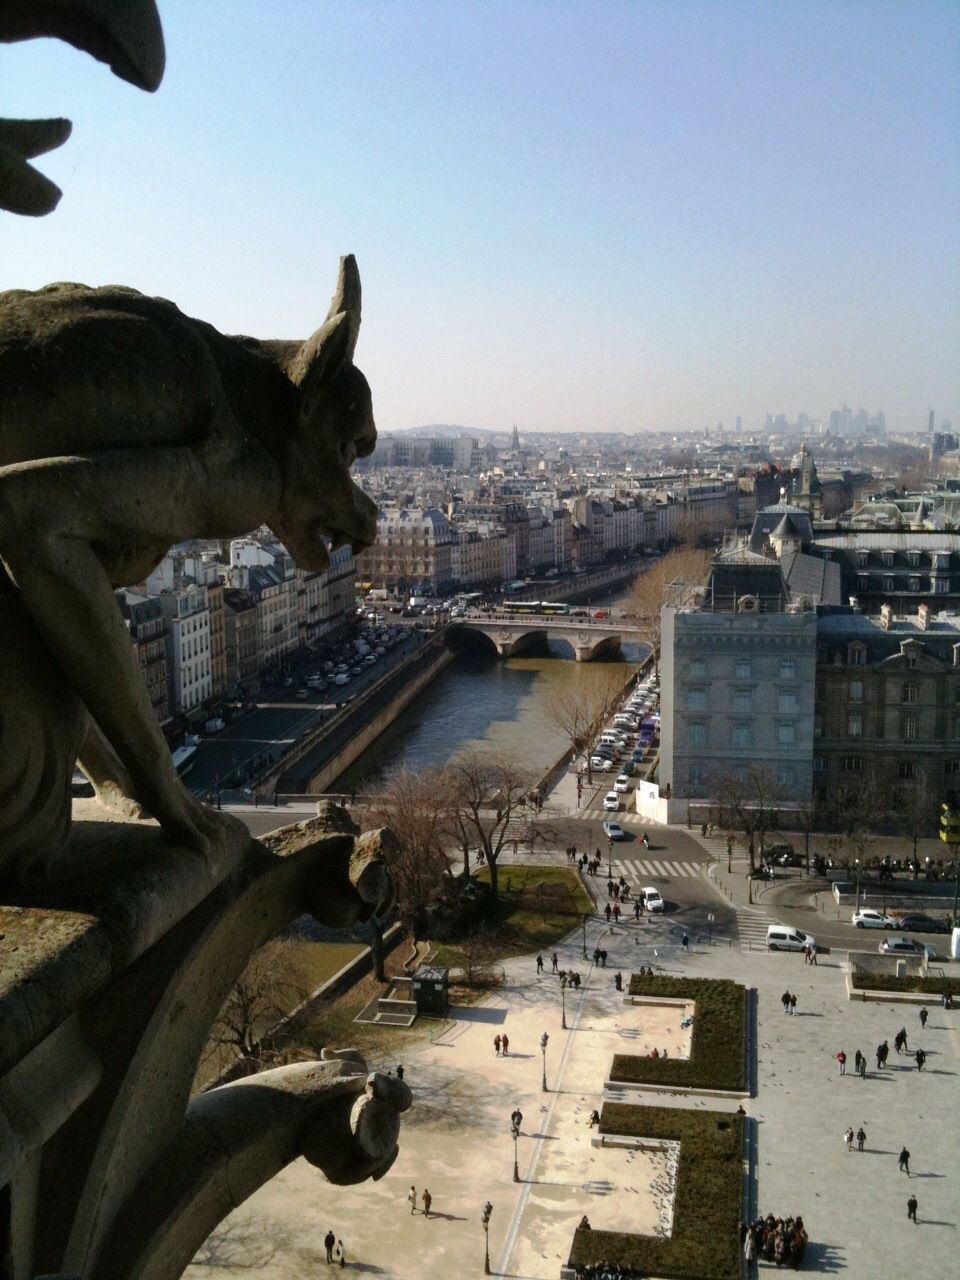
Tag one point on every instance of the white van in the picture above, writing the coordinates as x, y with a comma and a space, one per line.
780, 937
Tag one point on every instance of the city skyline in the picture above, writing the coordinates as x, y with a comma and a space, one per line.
623, 217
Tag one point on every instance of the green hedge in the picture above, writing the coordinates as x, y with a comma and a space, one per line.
705, 1242
888, 982
718, 1050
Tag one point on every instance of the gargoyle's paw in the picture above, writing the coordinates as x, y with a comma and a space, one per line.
373, 853
375, 1118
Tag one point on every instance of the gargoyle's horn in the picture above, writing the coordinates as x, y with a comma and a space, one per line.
347, 300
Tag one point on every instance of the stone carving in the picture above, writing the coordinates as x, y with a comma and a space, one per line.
126, 34
108, 988
126, 426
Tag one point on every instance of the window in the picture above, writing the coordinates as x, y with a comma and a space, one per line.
862, 558
906, 769
743, 700
696, 776
909, 693
856, 655
818, 726
909, 725
696, 699
888, 559
786, 735
855, 691
941, 585
912, 659
851, 764
786, 775
744, 669
914, 584
696, 734
914, 558
698, 667
855, 726
819, 764
787, 702
889, 583
863, 582
952, 768
742, 737
788, 668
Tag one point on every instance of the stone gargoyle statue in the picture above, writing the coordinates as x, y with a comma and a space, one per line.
126, 427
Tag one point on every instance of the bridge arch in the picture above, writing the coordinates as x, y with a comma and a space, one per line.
506, 641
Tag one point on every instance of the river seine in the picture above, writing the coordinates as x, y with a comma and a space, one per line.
480, 702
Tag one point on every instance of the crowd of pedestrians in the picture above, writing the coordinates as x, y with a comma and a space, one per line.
607, 1271
770, 1239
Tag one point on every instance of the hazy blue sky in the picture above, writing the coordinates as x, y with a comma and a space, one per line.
572, 215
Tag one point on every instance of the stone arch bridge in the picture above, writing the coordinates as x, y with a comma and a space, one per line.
512, 637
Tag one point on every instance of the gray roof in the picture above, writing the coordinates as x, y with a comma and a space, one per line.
769, 519
812, 576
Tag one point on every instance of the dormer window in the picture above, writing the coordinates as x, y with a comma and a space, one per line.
857, 655
863, 558
888, 558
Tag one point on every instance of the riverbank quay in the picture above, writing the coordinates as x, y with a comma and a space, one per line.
315, 761
456, 1140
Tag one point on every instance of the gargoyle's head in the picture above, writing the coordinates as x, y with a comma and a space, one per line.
320, 504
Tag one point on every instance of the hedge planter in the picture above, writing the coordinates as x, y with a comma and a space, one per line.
718, 1047
705, 1243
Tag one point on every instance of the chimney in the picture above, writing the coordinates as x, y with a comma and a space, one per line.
923, 617
854, 604
886, 616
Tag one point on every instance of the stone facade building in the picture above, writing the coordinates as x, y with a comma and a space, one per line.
148, 631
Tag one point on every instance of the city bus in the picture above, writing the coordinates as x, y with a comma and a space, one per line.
550, 608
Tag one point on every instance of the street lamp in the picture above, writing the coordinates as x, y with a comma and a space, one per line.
857, 863
609, 858
485, 1219
543, 1049
515, 1130
563, 1003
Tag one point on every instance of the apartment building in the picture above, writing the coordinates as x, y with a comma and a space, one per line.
148, 630
242, 647
413, 550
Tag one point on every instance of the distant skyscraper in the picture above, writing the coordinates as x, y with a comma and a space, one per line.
516, 439
739, 425
931, 421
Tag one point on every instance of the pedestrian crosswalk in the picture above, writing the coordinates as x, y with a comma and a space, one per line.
752, 926
601, 815
650, 869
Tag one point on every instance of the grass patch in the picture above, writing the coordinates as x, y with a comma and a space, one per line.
718, 1049
536, 907
705, 1244
864, 981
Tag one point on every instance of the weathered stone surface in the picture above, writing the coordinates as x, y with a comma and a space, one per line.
126, 426
111, 982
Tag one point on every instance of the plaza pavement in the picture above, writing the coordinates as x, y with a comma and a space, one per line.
456, 1139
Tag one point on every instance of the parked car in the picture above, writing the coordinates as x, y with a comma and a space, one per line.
612, 801
613, 831
922, 924
907, 947
342, 678
867, 918
601, 764
622, 783
302, 694
652, 899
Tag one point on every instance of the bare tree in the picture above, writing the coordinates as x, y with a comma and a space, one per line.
415, 806
746, 802
916, 807
578, 713
484, 796
265, 993
684, 564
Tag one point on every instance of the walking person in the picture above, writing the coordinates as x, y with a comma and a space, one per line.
857, 1059
607, 912
848, 1139
554, 962
506, 1043
616, 913
539, 964
861, 1138
842, 1062
329, 1240
862, 1069
813, 953
339, 1254
636, 909
793, 1003
427, 1199
496, 1045
785, 1001
923, 1018
400, 1072
920, 1058
685, 943
904, 1163
412, 1198
912, 1208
